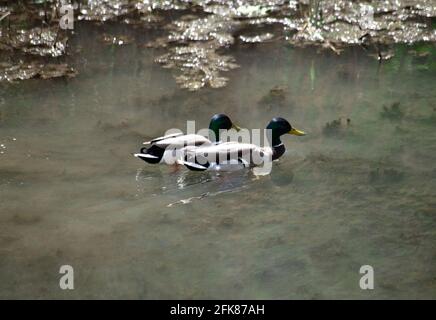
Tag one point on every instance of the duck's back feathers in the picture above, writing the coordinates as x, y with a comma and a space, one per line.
168, 136
165, 149
181, 141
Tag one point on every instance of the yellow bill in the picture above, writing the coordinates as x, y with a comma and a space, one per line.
236, 127
297, 132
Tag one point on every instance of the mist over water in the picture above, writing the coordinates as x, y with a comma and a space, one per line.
350, 193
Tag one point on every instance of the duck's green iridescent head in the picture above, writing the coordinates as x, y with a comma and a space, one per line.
221, 122
279, 127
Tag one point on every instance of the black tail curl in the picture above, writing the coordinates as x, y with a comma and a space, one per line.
154, 151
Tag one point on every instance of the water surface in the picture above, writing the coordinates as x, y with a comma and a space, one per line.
357, 193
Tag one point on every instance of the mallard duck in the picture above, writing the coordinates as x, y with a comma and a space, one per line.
164, 149
234, 155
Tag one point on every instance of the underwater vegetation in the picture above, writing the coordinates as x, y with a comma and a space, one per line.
336, 127
393, 112
276, 96
385, 175
197, 35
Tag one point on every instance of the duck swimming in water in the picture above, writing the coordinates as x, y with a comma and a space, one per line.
234, 155
164, 149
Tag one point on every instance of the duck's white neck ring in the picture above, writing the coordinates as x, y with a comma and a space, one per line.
278, 145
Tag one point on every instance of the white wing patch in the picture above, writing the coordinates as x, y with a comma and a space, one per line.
182, 141
163, 138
